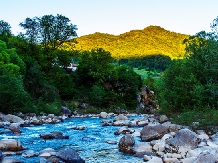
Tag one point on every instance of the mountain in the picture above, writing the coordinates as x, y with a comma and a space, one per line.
136, 43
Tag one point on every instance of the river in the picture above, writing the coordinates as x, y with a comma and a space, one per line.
91, 144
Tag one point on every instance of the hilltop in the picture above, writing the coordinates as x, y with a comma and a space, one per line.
136, 43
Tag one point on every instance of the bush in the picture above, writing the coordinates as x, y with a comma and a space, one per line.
48, 108
199, 118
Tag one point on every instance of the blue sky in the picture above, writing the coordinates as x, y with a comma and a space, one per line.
116, 16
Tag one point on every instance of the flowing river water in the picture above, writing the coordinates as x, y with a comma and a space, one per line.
91, 144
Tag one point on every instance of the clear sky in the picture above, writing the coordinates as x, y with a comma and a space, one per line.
116, 16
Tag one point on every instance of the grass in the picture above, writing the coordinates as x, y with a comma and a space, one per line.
145, 74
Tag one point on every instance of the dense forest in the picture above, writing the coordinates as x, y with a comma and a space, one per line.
34, 75
136, 43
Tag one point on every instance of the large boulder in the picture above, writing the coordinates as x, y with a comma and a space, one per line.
70, 156
11, 118
184, 139
126, 144
15, 127
153, 132
10, 145
66, 111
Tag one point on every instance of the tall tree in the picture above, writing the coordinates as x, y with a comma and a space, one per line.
49, 32
5, 28
214, 25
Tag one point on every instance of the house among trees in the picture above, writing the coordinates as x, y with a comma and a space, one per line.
72, 66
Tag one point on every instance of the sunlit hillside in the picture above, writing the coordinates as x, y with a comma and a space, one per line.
136, 43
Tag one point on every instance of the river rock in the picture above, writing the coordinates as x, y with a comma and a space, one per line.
184, 139
121, 123
70, 155
53, 159
153, 132
47, 150
163, 118
126, 144
79, 128
103, 115
35, 121
53, 135
26, 123
143, 123
159, 146
6, 131
206, 158
194, 153
142, 147
10, 144
51, 116
30, 153
11, 160
15, 127
124, 130
12, 118
187, 160
43, 160
65, 111
170, 160
106, 123
120, 117
152, 159
45, 155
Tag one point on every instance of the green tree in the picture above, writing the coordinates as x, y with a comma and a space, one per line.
5, 28
94, 66
126, 84
13, 97
191, 83
49, 32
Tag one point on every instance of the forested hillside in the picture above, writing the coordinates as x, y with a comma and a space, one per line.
136, 43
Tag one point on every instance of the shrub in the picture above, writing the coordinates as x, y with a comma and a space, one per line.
48, 108
199, 118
